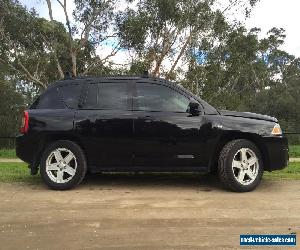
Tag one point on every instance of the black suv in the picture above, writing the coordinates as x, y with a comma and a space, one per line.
122, 124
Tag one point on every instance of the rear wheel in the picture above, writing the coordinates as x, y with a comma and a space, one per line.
240, 166
63, 165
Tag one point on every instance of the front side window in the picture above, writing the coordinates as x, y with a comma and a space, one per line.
108, 95
154, 97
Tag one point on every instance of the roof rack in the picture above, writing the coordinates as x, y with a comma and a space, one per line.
146, 76
69, 76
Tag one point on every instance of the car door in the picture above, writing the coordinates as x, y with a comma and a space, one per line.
105, 125
166, 136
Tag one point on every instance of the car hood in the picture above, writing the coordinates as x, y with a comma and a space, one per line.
248, 115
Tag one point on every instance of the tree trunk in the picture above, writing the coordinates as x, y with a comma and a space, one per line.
74, 64
59, 69
179, 56
50, 9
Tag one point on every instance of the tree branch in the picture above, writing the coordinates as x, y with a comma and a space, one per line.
59, 68
50, 9
167, 45
87, 29
73, 54
30, 76
97, 62
229, 6
27, 74
179, 56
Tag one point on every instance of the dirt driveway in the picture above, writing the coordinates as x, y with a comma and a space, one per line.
144, 212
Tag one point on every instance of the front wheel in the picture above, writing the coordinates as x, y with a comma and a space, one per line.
63, 165
240, 166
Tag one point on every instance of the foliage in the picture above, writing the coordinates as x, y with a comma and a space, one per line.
26, 50
39, 51
162, 32
11, 106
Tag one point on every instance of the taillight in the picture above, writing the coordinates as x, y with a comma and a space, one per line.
25, 123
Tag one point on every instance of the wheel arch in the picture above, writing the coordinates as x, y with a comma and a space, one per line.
46, 139
229, 136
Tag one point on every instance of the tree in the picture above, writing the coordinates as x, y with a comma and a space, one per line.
238, 67
97, 20
11, 106
24, 43
162, 32
39, 51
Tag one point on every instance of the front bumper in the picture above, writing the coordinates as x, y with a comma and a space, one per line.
277, 151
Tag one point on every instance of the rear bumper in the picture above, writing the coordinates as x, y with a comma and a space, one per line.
25, 148
277, 151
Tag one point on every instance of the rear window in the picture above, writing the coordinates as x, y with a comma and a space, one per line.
59, 97
49, 100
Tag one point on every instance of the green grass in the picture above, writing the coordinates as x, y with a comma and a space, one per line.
17, 172
292, 172
7, 153
294, 150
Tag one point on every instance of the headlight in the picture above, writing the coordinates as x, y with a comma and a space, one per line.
276, 130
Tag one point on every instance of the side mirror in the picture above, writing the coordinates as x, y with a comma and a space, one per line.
194, 108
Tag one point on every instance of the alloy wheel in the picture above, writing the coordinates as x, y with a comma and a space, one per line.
245, 166
61, 165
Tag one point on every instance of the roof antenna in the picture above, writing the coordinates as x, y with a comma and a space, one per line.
145, 74
68, 75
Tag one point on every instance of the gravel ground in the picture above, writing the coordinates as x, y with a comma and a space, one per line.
144, 212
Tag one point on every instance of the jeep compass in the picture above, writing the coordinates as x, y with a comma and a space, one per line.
124, 124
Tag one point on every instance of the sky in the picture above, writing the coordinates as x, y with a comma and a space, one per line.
265, 15
282, 14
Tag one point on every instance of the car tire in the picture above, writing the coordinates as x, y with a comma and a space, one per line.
240, 166
63, 165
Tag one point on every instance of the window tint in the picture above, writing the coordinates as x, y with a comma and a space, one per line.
153, 97
49, 100
70, 94
107, 95
91, 99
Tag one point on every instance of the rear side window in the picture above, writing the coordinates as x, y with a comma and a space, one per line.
49, 100
70, 95
108, 95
